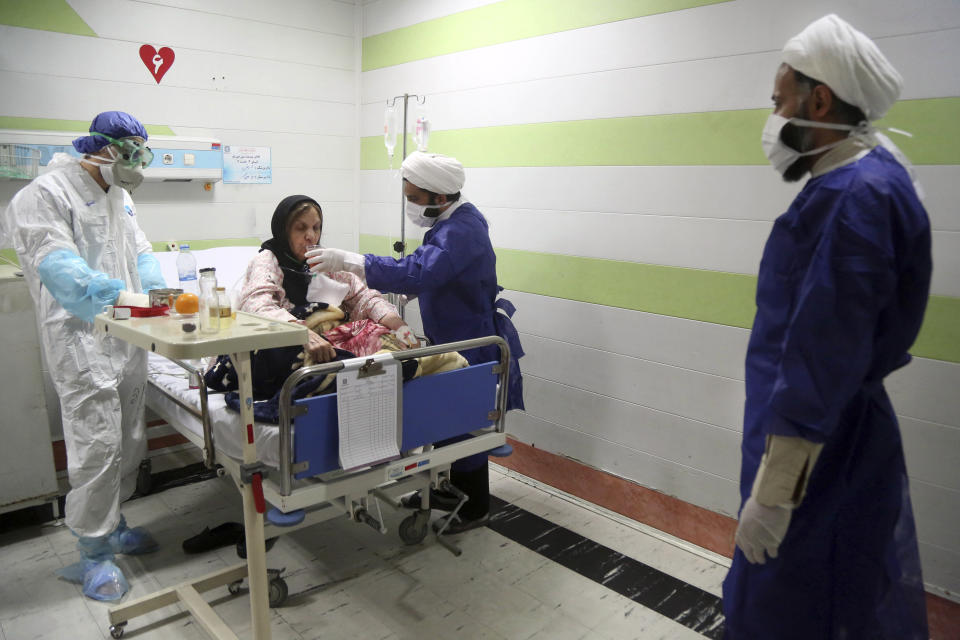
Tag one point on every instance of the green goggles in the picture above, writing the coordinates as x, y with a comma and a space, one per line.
132, 152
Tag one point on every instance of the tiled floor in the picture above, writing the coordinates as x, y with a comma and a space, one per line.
347, 581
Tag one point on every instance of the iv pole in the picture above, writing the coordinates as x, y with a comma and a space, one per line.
400, 246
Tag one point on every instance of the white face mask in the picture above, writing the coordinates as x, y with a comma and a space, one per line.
415, 214
779, 154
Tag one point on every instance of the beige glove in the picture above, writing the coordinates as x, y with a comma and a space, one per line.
778, 488
130, 299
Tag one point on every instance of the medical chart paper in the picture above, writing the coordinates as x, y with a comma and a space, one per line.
368, 411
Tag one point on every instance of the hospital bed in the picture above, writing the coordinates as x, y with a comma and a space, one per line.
295, 470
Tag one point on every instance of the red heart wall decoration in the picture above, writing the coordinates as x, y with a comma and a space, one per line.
157, 62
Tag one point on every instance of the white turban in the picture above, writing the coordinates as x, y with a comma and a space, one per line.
433, 172
833, 52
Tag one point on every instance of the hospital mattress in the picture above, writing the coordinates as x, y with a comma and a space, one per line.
170, 381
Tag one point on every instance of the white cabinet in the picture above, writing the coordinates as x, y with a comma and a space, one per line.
27, 473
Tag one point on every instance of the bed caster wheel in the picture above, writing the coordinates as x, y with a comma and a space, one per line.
278, 592
116, 630
413, 528
234, 587
144, 478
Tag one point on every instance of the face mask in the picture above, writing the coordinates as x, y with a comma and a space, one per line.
416, 214
118, 174
127, 177
782, 156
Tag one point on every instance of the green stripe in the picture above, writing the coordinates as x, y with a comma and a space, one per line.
504, 22
46, 15
708, 138
73, 126
693, 294
9, 254
197, 245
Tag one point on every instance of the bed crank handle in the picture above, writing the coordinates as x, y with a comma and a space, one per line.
253, 475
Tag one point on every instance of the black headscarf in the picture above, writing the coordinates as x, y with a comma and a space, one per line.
296, 274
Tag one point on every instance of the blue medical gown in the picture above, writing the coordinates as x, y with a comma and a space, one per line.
842, 288
453, 273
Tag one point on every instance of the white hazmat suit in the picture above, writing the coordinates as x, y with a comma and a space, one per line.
100, 381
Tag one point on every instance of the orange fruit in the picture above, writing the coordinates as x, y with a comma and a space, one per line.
187, 303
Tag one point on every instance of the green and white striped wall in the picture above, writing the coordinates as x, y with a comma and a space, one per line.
614, 148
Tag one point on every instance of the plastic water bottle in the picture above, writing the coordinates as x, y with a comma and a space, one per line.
187, 270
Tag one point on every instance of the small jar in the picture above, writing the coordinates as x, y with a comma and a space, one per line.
209, 312
224, 306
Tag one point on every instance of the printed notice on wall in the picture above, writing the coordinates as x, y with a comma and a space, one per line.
247, 165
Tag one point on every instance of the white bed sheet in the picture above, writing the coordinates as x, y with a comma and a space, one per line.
228, 434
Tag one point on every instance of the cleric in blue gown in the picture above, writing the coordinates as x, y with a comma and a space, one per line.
826, 545
453, 274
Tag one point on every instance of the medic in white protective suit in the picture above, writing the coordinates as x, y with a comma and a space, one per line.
75, 232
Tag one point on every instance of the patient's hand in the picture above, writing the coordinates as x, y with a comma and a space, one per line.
318, 348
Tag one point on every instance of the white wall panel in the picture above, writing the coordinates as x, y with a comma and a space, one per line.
921, 392
728, 29
141, 22
386, 15
734, 246
927, 389
47, 53
689, 344
930, 503
683, 392
688, 484
924, 390
65, 98
665, 435
946, 263
931, 451
941, 567
327, 16
713, 84
207, 221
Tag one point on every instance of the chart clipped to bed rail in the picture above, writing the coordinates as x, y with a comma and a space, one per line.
368, 410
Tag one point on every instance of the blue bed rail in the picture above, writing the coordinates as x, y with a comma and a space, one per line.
435, 408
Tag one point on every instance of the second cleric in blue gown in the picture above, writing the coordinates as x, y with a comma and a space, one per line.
826, 545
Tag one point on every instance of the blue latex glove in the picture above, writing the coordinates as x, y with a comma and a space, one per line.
151, 276
78, 288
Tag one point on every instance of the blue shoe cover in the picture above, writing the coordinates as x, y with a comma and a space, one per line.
75, 572
132, 541
95, 548
101, 580
105, 581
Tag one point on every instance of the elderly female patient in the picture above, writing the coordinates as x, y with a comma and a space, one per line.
345, 318
279, 285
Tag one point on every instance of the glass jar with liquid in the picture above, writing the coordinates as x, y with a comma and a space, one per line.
209, 305
225, 309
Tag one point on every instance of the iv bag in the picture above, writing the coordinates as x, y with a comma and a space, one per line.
421, 133
390, 129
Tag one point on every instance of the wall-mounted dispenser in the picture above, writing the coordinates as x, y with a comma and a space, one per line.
175, 158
